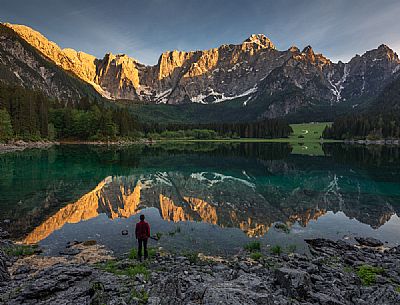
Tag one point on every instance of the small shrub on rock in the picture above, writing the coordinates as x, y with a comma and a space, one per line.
277, 250
141, 297
253, 246
367, 274
193, 257
255, 255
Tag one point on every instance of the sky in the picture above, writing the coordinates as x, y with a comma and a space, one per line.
144, 29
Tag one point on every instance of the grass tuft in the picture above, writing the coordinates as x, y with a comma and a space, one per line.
277, 250
20, 250
256, 256
367, 274
253, 246
134, 255
141, 297
193, 257
112, 266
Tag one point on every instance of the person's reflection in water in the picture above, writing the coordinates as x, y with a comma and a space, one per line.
142, 233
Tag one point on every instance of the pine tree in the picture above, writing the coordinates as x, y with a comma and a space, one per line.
6, 130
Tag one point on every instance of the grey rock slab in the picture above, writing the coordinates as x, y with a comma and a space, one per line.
369, 241
296, 282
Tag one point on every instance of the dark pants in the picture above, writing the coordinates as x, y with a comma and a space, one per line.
142, 243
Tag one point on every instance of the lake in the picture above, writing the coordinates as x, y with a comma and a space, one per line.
205, 197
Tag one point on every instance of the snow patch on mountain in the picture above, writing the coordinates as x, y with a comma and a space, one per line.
397, 69
338, 87
247, 100
17, 75
220, 97
162, 97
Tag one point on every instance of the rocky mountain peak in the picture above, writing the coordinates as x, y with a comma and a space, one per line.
294, 49
384, 47
307, 54
308, 50
383, 52
391, 55
260, 40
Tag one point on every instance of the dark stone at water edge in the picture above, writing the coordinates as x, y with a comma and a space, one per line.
369, 242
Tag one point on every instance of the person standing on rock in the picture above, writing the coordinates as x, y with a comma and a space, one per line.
142, 233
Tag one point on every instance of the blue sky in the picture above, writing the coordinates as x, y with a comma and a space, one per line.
144, 28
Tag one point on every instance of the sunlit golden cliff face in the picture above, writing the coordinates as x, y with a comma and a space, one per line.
114, 76
171, 61
178, 75
81, 64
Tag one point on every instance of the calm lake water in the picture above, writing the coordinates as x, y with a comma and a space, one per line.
206, 197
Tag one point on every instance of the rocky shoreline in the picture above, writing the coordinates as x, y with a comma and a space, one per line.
86, 273
113, 143
22, 145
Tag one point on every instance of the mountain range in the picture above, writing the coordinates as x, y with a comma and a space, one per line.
247, 81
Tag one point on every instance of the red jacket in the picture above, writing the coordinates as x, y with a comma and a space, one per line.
142, 230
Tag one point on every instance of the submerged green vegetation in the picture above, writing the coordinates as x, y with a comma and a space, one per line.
253, 246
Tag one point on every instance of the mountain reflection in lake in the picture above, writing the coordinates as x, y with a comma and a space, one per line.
204, 197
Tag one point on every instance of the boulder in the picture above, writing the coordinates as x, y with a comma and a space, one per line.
3, 233
369, 242
54, 279
296, 282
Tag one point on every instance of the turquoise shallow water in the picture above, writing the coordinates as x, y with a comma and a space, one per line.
205, 197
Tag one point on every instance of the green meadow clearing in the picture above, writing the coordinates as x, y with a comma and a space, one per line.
305, 139
307, 132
